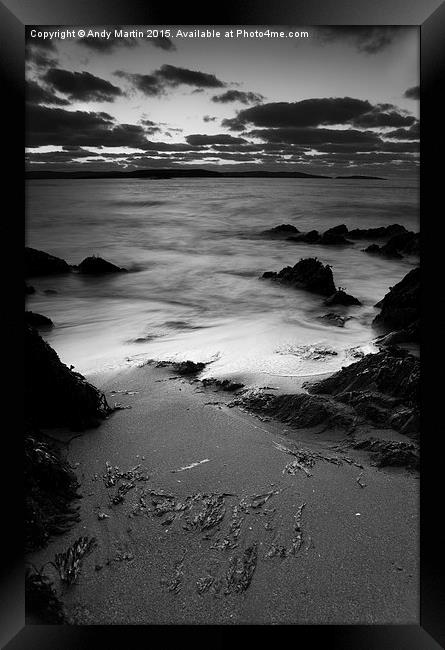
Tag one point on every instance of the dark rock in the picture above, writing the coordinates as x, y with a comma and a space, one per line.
405, 243
333, 239
50, 487
38, 321
311, 237
374, 249
391, 453
410, 334
337, 230
383, 388
340, 297
224, 384
299, 410
400, 306
333, 318
29, 289
376, 233
40, 263
54, 395
309, 274
183, 367
42, 604
50, 292
279, 231
97, 266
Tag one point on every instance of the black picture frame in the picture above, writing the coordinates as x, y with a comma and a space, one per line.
429, 15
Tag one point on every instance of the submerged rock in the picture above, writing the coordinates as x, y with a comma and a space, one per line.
337, 230
400, 307
405, 243
332, 318
40, 263
38, 321
280, 231
29, 289
309, 274
340, 297
97, 266
377, 233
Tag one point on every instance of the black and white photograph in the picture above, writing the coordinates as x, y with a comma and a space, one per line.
222, 288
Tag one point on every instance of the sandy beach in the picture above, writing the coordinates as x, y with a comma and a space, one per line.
213, 528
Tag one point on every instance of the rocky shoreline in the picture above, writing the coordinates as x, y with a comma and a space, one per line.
380, 390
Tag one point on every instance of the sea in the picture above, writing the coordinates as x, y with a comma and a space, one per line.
195, 256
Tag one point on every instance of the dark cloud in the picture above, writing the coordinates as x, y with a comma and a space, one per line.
413, 133
148, 84
313, 136
174, 76
365, 39
238, 96
412, 93
306, 113
36, 94
170, 76
82, 86
40, 52
56, 126
222, 138
384, 115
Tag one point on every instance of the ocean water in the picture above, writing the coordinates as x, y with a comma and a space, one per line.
195, 258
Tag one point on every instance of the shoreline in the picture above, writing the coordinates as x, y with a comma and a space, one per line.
144, 578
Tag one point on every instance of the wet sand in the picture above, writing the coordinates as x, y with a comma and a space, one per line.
335, 544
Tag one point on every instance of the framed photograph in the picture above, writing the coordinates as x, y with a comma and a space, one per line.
231, 411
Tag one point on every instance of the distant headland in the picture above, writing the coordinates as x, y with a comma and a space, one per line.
176, 173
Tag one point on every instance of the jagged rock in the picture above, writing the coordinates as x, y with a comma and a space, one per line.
280, 231
97, 266
410, 334
40, 263
183, 367
299, 410
340, 297
405, 243
42, 604
224, 384
309, 274
332, 237
376, 233
400, 306
337, 230
391, 453
54, 395
382, 388
38, 321
50, 488
333, 318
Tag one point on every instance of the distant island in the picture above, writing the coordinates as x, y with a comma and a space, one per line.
182, 173
169, 173
358, 177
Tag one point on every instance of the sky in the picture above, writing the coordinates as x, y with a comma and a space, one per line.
344, 100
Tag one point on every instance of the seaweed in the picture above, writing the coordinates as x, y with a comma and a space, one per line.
42, 604
69, 562
241, 570
50, 488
